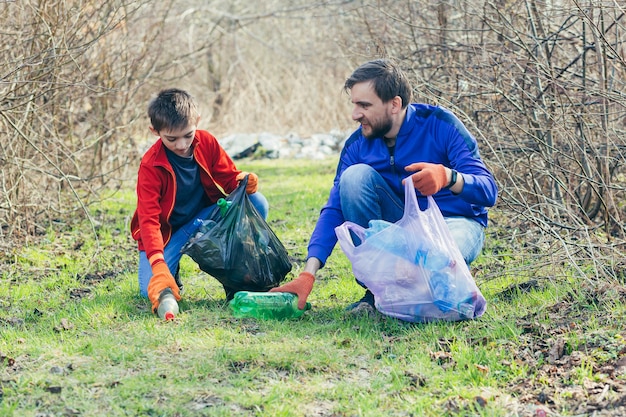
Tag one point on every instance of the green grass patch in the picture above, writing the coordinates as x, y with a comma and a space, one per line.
78, 340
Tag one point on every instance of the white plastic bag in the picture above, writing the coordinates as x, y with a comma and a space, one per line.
413, 267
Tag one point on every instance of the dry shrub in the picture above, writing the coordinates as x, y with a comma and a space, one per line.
38, 164
79, 74
541, 85
274, 68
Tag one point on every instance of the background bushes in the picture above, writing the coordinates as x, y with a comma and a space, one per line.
541, 85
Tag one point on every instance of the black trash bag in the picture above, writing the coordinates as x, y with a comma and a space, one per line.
239, 249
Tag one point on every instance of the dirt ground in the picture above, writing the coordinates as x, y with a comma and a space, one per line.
577, 372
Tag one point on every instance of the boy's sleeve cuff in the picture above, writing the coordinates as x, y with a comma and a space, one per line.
156, 258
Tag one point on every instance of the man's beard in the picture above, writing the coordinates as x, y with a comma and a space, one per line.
379, 129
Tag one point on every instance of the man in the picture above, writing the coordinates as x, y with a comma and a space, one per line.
421, 143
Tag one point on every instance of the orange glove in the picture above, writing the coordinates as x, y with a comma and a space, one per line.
429, 178
253, 181
300, 286
161, 279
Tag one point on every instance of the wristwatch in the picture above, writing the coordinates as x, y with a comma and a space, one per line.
452, 178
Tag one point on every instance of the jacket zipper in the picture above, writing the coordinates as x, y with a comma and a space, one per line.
392, 159
206, 170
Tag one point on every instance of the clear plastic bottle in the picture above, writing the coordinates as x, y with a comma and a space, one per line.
449, 294
168, 307
436, 260
203, 227
375, 226
443, 290
388, 237
223, 204
266, 305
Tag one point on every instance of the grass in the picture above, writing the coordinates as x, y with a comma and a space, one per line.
78, 340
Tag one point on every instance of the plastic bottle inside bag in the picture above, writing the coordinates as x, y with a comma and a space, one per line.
203, 226
450, 293
375, 226
388, 237
433, 259
263, 239
440, 288
224, 205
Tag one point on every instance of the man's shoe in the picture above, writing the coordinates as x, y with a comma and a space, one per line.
365, 303
362, 309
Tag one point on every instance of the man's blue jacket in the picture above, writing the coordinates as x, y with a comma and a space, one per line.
428, 134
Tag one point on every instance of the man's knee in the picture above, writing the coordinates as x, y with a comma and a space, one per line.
468, 235
355, 176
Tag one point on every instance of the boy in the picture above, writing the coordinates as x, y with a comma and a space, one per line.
180, 179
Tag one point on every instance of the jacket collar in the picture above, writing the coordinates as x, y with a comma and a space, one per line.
160, 157
407, 126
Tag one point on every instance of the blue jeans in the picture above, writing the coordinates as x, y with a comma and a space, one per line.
171, 251
365, 196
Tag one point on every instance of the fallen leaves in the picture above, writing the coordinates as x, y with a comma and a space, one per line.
444, 359
556, 350
64, 325
6, 360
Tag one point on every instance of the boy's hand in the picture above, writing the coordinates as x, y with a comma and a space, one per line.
161, 279
253, 181
429, 178
300, 286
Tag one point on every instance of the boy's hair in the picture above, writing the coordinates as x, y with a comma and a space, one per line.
387, 79
172, 109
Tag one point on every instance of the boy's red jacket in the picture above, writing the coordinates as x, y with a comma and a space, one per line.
156, 188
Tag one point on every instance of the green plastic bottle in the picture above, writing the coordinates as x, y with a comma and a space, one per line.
223, 204
266, 305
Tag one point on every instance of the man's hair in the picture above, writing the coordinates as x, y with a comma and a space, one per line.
172, 109
387, 79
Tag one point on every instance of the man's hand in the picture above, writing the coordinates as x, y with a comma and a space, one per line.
253, 181
161, 279
429, 178
300, 286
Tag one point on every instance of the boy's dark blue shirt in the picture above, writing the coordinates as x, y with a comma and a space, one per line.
190, 196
